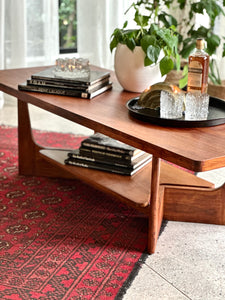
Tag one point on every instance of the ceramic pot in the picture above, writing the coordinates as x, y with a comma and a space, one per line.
131, 72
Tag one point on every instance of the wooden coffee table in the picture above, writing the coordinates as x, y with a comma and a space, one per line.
159, 190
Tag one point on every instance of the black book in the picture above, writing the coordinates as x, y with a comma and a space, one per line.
109, 155
75, 85
93, 77
103, 142
77, 156
63, 91
104, 167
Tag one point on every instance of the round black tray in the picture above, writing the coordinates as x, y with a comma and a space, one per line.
216, 115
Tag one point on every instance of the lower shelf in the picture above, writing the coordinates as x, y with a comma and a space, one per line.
133, 190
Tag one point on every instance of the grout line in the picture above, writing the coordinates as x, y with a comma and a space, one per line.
168, 282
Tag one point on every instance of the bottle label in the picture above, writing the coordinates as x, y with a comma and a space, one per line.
195, 70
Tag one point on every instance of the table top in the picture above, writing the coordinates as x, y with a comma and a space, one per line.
197, 149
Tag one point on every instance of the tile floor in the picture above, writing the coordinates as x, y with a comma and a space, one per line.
189, 262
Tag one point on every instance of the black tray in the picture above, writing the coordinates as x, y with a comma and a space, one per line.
216, 115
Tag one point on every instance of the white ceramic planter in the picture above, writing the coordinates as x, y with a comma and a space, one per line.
131, 72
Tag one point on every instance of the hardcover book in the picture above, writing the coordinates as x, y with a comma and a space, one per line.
103, 142
75, 85
68, 91
105, 167
78, 157
95, 76
109, 155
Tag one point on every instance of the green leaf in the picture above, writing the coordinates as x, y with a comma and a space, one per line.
199, 7
223, 48
170, 40
147, 61
201, 32
186, 51
167, 20
166, 65
178, 62
182, 3
118, 34
183, 81
185, 70
213, 42
153, 29
113, 44
146, 41
141, 20
214, 74
125, 24
130, 44
153, 53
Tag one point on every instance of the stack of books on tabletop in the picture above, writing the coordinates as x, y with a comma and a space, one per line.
69, 77
104, 153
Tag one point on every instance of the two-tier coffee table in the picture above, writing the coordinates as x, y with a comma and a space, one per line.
160, 190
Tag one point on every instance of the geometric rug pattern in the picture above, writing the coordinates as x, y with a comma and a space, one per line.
61, 239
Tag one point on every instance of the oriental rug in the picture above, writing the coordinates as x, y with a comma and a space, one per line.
61, 239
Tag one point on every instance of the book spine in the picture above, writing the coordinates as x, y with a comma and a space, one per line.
107, 148
75, 86
107, 168
54, 84
55, 91
99, 154
116, 163
62, 91
98, 167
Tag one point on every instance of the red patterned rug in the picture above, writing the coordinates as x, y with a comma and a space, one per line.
61, 239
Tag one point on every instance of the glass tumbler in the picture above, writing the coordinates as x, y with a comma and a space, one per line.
196, 106
171, 105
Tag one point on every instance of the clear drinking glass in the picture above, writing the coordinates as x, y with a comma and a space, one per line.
171, 105
72, 68
196, 106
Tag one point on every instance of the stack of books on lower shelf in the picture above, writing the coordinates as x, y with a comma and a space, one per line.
104, 153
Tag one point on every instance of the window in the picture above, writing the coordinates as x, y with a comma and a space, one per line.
67, 26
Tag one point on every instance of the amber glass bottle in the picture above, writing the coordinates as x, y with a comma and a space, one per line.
198, 69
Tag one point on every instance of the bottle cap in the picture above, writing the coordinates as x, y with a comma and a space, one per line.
200, 44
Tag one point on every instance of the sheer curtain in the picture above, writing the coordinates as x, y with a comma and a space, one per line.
28, 33
95, 26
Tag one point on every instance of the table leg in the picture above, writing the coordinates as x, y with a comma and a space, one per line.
156, 206
182, 203
30, 160
28, 150
189, 204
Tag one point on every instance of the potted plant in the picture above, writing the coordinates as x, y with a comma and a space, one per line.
150, 48
159, 32
213, 10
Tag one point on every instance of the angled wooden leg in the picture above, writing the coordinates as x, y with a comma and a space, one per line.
156, 206
188, 204
31, 162
28, 150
